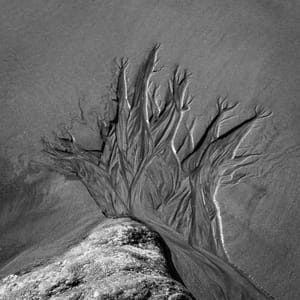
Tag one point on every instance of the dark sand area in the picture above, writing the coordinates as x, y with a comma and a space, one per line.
54, 52
41, 215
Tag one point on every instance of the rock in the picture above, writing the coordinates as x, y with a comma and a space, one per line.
118, 259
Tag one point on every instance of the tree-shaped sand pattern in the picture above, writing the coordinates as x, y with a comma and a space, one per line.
140, 172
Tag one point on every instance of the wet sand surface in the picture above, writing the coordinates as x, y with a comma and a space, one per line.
42, 216
53, 53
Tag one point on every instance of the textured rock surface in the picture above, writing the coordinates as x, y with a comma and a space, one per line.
118, 259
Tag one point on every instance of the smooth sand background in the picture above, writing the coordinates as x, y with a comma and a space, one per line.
54, 52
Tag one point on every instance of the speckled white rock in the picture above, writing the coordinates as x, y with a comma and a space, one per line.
118, 259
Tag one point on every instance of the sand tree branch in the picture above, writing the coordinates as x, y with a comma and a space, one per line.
123, 107
190, 163
71, 159
166, 126
218, 154
138, 130
154, 107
